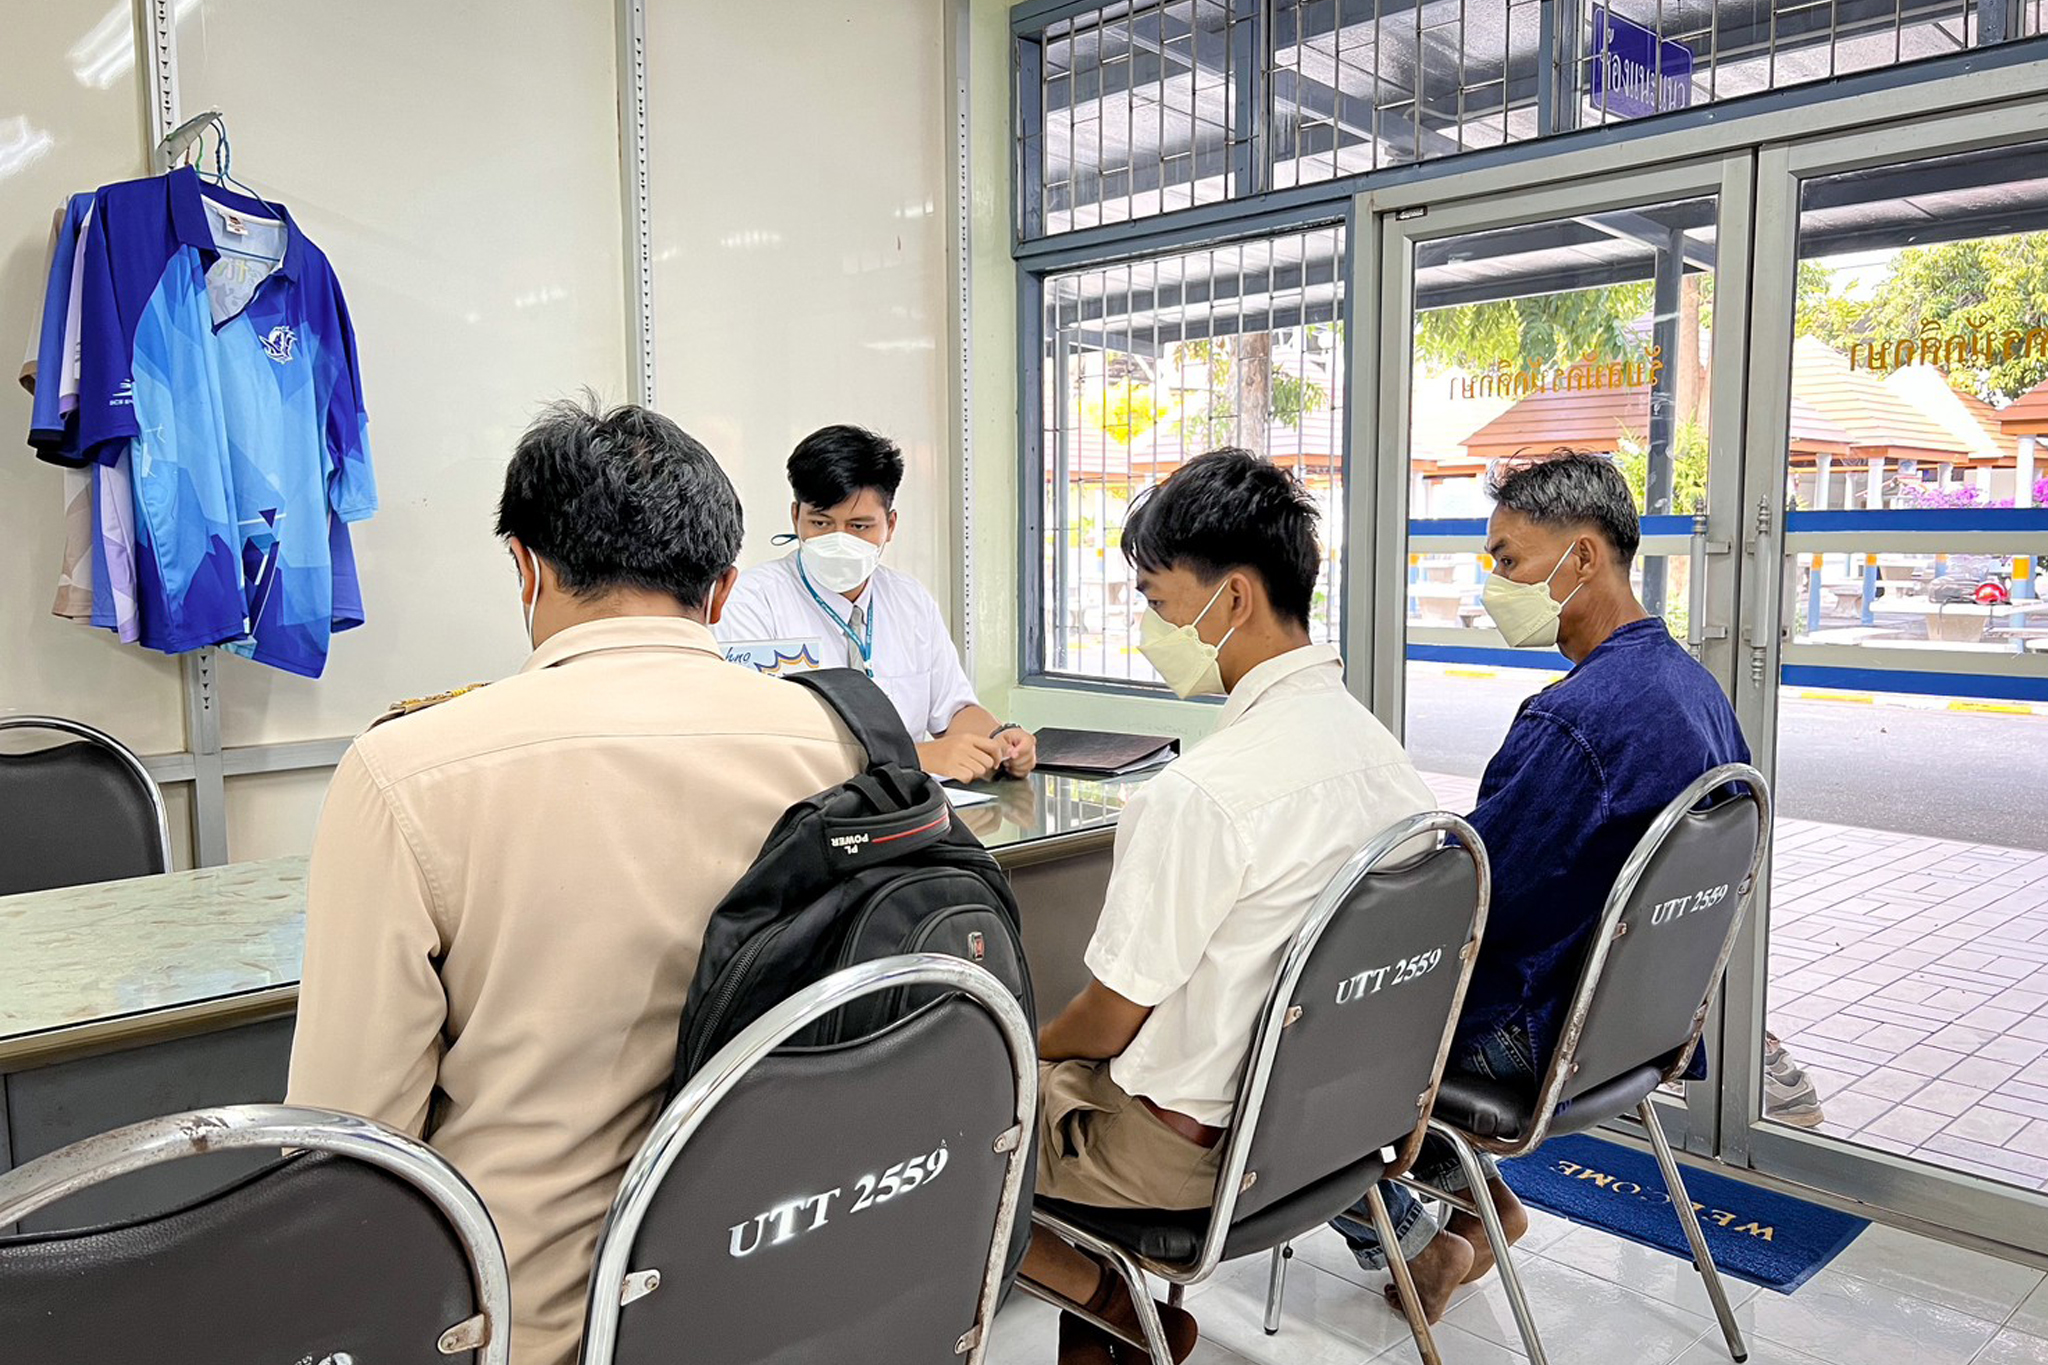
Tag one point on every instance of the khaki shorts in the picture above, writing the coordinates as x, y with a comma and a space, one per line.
1097, 1145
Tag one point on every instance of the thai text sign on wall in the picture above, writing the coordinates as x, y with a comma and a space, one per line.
1634, 72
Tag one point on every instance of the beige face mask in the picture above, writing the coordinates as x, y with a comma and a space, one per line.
1526, 614
1185, 662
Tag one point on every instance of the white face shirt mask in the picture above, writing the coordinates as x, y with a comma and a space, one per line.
838, 561
534, 560
1185, 662
1526, 614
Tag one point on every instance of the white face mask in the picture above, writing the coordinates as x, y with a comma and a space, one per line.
534, 560
1185, 661
1525, 613
837, 561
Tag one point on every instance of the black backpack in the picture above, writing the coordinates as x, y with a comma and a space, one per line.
871, 868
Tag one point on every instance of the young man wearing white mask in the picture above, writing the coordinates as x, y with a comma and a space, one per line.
833, 589
1586, 766
1218, 861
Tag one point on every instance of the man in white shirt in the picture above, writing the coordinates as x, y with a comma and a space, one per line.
1218, 861
831, 590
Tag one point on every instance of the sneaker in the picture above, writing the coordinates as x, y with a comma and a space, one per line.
1789, 1095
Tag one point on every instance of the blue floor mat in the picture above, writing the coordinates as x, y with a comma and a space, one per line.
1755, 1234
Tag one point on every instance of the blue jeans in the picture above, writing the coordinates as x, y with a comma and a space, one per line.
1503, 1055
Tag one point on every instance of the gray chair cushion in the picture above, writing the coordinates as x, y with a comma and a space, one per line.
1486, 1108
1175, 1238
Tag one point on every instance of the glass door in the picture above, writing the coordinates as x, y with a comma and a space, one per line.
1894, 675
1579, 316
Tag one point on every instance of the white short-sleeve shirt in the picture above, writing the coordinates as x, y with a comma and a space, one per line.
914, 661
1220, 858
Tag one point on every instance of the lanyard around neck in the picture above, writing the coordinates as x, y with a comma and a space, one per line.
865, 646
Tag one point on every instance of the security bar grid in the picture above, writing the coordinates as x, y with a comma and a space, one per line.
1130, 111
1149, 363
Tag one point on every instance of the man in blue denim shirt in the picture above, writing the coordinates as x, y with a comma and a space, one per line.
1586, 766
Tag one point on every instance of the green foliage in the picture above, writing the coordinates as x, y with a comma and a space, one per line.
1541, 329
1208, 411
1995, 284
1688, 467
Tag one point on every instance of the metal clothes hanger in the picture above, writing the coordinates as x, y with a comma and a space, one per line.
189, 137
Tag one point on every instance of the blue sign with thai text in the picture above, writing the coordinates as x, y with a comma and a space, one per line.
1634, 72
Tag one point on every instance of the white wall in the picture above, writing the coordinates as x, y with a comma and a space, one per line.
800, 187
459, 165
70, 118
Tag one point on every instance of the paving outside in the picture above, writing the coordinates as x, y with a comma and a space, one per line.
1909, 977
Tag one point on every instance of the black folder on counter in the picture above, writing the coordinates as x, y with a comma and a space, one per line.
1103, 753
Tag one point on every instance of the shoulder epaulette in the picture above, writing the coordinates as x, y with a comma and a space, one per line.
415, 704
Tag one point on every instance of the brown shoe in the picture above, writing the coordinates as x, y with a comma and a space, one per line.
1113, 1304
1083, 1343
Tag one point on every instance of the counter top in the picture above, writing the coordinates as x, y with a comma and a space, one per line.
87, 966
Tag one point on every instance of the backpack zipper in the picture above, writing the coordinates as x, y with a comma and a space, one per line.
735, 976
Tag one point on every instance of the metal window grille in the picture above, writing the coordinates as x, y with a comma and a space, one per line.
1136, 112
1130, 111
1153, 361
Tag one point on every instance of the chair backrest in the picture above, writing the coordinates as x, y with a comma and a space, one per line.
1358, 1024
1664, 937
82, 810
846, 1202
363, 1246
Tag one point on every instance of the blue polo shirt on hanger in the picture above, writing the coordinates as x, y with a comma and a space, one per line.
217, 344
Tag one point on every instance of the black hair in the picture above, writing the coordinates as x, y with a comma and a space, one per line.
1230, 510
1572, 488
836, 463
618, 499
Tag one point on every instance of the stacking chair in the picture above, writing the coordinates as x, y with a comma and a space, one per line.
821, 1205
363, 1246
80, 811
1651, 972
1339, 1084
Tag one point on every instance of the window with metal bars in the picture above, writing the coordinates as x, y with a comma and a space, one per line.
1153, 361
1133, 110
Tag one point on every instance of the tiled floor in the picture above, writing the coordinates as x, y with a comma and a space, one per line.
1909, 976
1890, 1299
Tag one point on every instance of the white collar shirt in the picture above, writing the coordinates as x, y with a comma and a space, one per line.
914, 659
1220, 858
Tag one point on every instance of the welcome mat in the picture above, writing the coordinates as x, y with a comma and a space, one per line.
1754, 1234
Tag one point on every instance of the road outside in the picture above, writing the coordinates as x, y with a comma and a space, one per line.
1969, 776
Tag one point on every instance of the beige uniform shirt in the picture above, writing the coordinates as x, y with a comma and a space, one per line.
507, 899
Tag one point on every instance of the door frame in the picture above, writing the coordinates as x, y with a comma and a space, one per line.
1964, 1203
1382, 277
1755, 171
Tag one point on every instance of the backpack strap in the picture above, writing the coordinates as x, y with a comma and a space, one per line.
866, 710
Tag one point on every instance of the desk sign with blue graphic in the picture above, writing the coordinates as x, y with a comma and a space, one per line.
775, 657
1634, 72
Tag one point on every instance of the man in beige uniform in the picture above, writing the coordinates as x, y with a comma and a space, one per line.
509, 889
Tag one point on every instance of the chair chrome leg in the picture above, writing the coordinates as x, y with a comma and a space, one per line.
1175, 1293
1149, 1325
1276, 1286
1497, 1238
1404, 1283
1702, 1258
